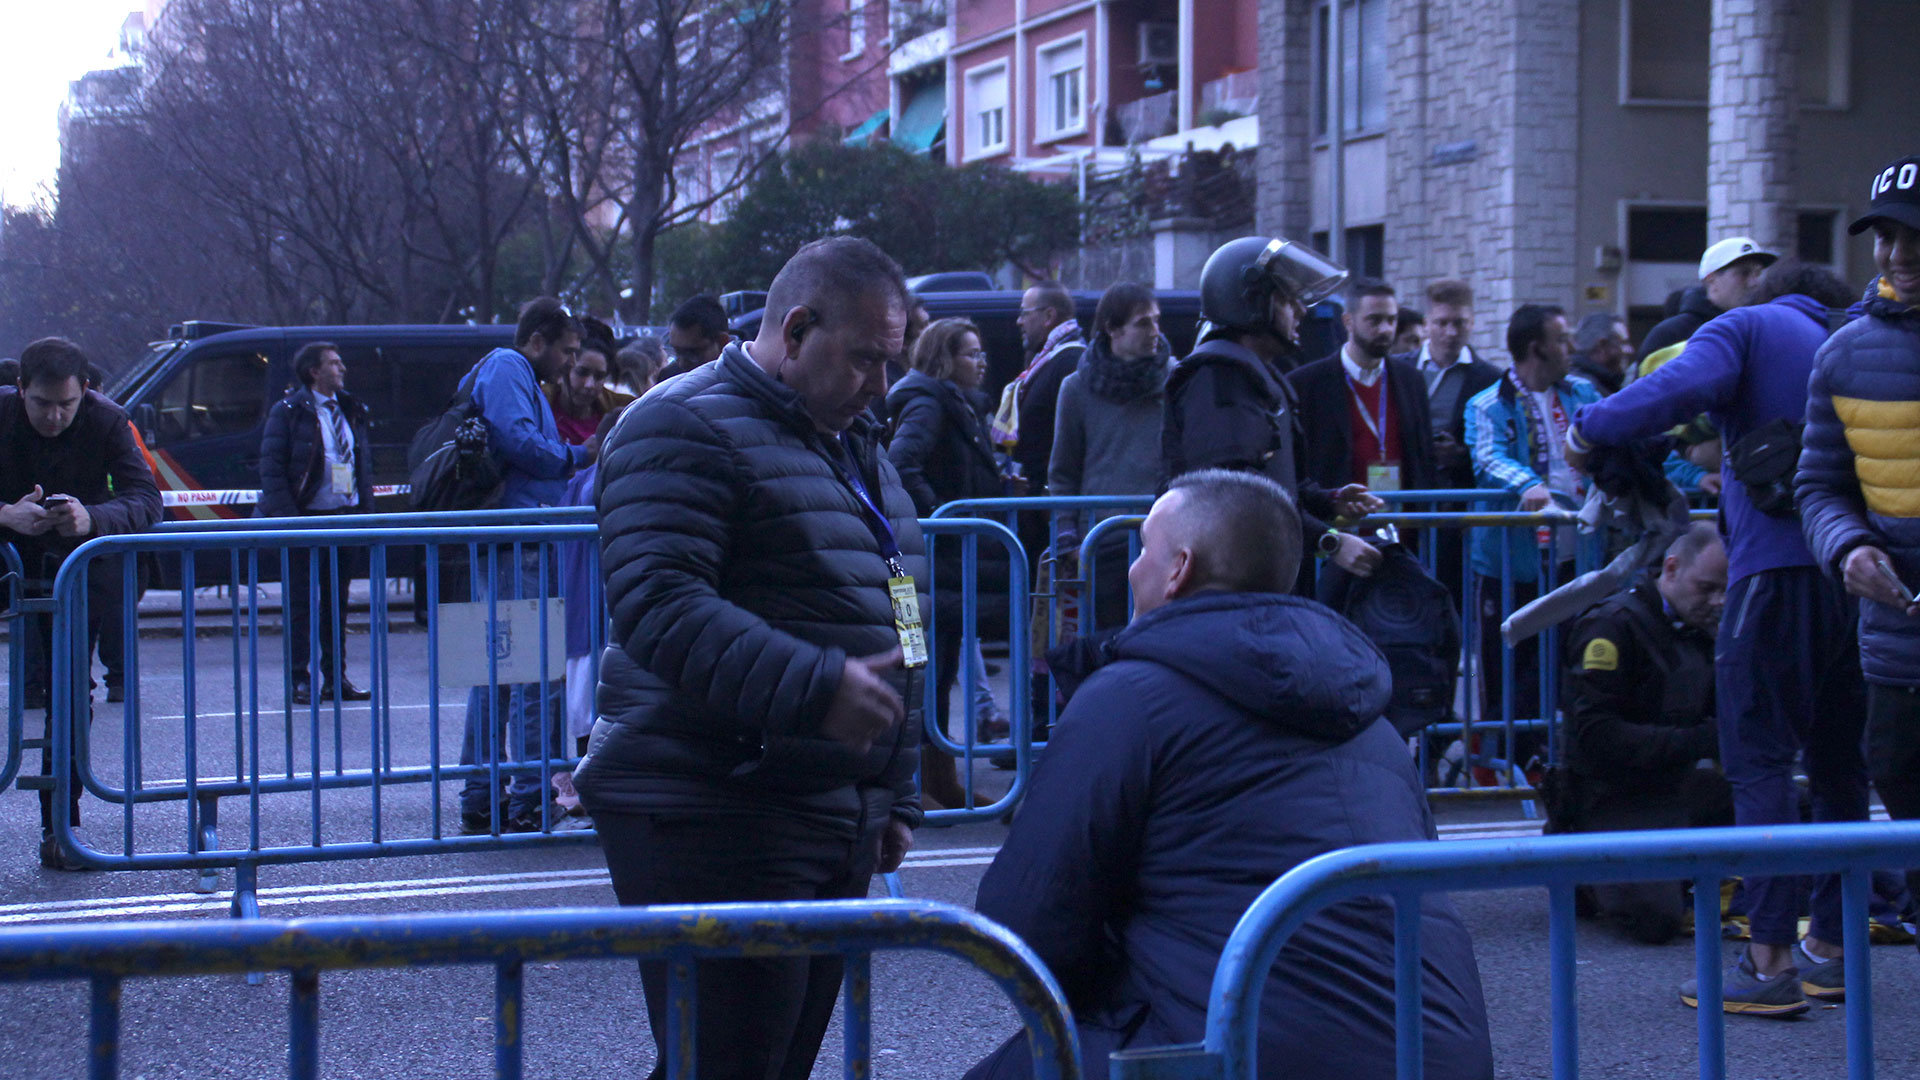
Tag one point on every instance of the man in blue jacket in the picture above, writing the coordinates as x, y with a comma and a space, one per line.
1858, 500
1786, 669
535, 464
1228, 734
1516, 434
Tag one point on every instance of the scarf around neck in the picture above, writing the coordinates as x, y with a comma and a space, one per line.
1123, 381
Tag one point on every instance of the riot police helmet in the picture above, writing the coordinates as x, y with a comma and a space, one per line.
1241, 277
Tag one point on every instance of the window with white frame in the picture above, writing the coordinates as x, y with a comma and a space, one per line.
1062, 86
856, 29
987, 110
1363, 65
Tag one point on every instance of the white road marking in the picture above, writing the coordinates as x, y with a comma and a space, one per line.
107, 907
359, 708
276, 896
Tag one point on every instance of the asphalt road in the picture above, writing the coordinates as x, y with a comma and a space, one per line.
933, 1017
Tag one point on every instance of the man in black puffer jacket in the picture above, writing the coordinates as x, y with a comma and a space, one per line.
758, 734
315, 459
1227, 735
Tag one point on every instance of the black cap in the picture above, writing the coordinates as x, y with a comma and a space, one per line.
1896, 196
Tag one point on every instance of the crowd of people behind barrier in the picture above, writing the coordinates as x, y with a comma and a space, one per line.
754, 732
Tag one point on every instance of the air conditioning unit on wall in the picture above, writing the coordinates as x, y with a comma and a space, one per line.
1159, 43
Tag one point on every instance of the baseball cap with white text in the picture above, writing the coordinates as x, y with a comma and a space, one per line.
1896, 196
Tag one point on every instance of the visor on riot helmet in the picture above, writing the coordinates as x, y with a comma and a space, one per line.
1305, 274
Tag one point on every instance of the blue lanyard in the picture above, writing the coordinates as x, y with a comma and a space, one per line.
877, 521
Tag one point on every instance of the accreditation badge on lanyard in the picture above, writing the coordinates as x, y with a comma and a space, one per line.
901, 591
1381, 475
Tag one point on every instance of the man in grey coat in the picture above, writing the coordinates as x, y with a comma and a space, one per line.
1106, 431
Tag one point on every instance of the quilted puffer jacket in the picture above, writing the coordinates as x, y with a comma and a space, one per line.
1859, 478
741, 572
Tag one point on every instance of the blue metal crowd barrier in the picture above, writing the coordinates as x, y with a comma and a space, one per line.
1047, 526
301, 771
294, 768
14, 574
680, 937
421, 519
1405, 872
968, 532
1502, 758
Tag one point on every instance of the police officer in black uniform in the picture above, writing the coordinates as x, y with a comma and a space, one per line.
1228, 403
1639, 705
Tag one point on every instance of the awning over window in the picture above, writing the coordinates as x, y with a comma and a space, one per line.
858, 136
921, 118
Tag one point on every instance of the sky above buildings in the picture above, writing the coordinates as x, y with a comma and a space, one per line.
49, 44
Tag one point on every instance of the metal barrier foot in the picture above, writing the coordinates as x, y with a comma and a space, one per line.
894, 889
1190, 1061
209, 879
246, 904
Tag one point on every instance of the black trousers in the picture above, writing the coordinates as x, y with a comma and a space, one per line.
39, 632
302, 596
760, 1019
1893, 755
1526, 658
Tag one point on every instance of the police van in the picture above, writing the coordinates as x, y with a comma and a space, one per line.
200, 398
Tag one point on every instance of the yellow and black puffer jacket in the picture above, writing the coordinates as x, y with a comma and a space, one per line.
1859, 478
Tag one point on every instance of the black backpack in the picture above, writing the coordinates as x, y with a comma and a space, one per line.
449, 465
1410, 616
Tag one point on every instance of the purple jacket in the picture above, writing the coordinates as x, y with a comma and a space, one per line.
1744, 369
576, 573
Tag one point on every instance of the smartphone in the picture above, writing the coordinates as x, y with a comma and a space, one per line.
52, 501
1894, 579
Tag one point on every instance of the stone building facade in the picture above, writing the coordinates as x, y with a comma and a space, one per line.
1582, 152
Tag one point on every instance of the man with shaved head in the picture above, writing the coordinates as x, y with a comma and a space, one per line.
759, 699
1229, 733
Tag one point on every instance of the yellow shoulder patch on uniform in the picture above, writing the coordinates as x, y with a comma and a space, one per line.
1601, 655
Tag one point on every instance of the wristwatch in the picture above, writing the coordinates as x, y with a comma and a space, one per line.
1328, 544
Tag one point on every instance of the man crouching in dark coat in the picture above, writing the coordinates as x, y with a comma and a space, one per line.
1229, 733
758, 731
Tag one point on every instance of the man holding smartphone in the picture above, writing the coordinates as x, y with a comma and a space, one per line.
70, 470
1858, 499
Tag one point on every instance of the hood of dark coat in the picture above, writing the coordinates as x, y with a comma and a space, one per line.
1287, 660
1694, 302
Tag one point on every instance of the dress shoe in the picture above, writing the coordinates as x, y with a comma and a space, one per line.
348, 692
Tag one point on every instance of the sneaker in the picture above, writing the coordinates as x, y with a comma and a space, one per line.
1744, 992
116, 691
527, 819
52, 857
1822, 980
480, 822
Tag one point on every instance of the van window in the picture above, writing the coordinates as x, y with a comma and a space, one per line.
212, 395
424, 378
